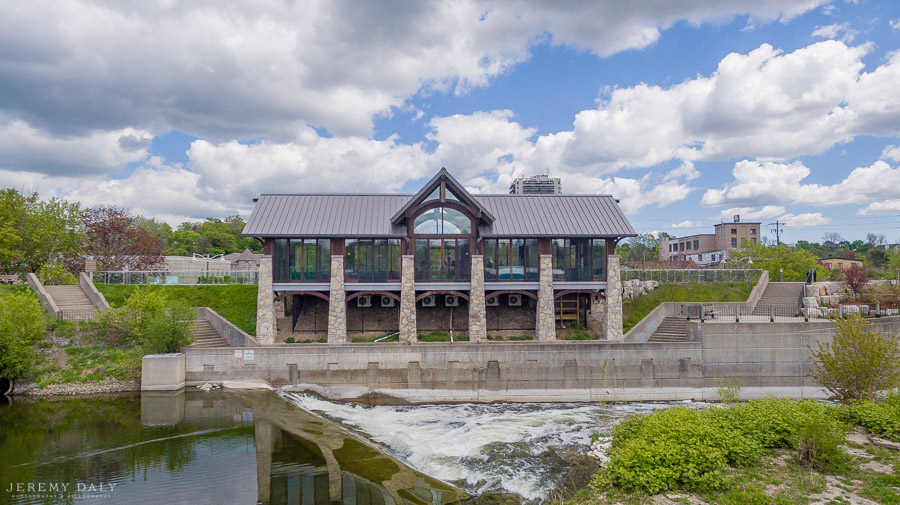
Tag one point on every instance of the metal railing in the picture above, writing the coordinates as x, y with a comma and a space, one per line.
77, 314
692, 276
175, 278
713, 312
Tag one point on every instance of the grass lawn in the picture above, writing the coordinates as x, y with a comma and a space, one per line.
236, 303
637, 308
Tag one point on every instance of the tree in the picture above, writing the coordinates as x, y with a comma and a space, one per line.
795, 262
34, 233
832, 240
859, 362
855, 277
878, 258
875, 240
116, 241
22, 323
152, 322
644, 247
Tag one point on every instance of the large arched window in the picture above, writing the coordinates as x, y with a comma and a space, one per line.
443, 238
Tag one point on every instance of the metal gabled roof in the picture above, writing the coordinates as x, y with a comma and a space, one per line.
455, 186
370, 215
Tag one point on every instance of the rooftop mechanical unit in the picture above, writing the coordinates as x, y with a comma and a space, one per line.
451, 300
492, 302
428, 301
515, 300
364, 301
387, 301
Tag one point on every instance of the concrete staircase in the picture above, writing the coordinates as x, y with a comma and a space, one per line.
72, 302
672, 329
206, 336
784, 296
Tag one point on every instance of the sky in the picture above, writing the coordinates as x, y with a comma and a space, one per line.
688, 112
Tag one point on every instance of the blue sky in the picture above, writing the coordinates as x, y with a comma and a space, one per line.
688, 112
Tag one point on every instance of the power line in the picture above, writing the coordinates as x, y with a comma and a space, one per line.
778, 227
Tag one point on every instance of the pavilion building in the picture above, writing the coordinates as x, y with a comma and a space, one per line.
341, 266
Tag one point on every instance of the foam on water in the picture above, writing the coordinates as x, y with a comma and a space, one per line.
482, 447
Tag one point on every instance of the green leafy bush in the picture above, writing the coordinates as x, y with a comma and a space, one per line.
22, 323
859, 362
687, 448
150, 321
879, 417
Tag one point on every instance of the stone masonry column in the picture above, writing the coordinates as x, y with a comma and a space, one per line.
408, 299
477, 318
265, 303
613, 320
337, 302
546, 316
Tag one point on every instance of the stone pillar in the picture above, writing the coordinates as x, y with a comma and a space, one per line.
477, 319
613, 320
337, 302
265, 304
546, 314
408, 299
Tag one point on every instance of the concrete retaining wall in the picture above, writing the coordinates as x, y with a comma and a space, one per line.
234, 335
764, 358
96, 297
46, 300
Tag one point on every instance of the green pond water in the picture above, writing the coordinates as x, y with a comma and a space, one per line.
195, 447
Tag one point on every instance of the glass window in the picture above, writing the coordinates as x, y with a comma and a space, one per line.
450, 195
532, 260
434, 195
421, 259
463, 259
379, 266
450, 259
696, 245
442, 221
434, 259
689, 245
490, 259
365, 260
598, 257
393, 270
559, 259
503, 267
323, 271
517, 257
296, 268
280, 259
734, 242
752, 231
351, 268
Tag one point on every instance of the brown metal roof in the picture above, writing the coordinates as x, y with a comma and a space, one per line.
368, 215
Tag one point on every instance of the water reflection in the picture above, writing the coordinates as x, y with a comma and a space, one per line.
196, 447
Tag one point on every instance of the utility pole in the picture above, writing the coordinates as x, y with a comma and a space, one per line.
777, 231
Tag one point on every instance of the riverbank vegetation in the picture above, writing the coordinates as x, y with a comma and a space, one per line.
236, 303
637, 308
34, 348
770, 451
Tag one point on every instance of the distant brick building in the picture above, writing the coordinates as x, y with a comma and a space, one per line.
712, 249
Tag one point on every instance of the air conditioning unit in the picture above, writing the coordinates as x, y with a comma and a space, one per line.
492, 302
515, 300
364, 301
451, 300
428, 301
387, 301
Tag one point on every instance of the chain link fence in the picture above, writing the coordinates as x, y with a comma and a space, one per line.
177, 278
692, 276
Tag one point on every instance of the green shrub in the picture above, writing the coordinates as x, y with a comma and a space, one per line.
289, 340
57, 274
859, 362
150, 321
879, 417
687, 448
22, 323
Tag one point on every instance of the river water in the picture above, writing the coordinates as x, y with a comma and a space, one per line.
258, 447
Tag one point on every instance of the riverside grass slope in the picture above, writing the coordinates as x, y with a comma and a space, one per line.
236, 303
637, 308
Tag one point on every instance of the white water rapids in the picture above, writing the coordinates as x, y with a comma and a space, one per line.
480, 447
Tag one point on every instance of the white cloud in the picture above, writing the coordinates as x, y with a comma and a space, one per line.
891, 153
762, 183
835, 31
686, 170
24, 147
895, 24
234, 69
804, 220
687, 224
766, 212
883, 207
